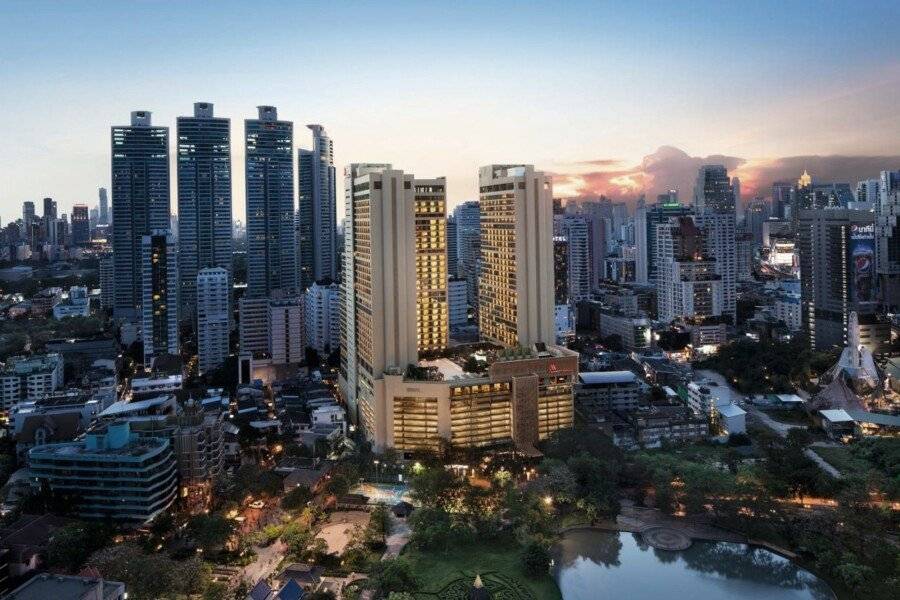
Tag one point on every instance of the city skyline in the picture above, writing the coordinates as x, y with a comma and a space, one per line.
797, 97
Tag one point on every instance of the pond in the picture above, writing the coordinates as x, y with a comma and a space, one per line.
596, 565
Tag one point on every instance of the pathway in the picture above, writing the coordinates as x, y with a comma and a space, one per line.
267, 559
398, 539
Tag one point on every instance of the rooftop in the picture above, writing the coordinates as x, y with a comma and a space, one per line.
606, 377
44, 586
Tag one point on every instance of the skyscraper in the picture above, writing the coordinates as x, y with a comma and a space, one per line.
574, 230
432, 316
317, 211
204, 198
28, 212
81, 225
782, 199
383, 262
50, 208
271, 232
714, 203
452, 248
467, 217
104, 207
838, 277
516, 299
889, 181
213, 317
646, 221
868, 191
687, 284
140, 202
160, 294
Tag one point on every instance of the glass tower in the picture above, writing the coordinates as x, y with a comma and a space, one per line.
204, 198
271, 233
140, 202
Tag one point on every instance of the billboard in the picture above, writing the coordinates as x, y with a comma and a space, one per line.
862, 263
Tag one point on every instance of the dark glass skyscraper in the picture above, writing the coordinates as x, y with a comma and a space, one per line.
316, 215
271, 231
140, 202
204, 198
104, 207
81, 225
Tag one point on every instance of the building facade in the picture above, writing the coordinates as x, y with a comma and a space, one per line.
29, 378
317, 211
111, 474
140, 202
322, 318
271, 231
204, 198
159, 295
213, 318
515, 296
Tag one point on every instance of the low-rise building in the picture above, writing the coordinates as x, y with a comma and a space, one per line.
76, 304
650, 427
29, 378
601, 392
111, 474
66, 587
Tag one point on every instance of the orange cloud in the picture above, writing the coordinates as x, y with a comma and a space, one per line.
670, 167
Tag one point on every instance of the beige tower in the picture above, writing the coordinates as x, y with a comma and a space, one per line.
516, 303
399, 272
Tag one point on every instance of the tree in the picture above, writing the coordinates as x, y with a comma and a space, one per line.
393, 575
150, 576
296, 498
400, 596
338, 485
431, 528
536, 559
379, 527
72, 544
210, 531
436, 487
320, 595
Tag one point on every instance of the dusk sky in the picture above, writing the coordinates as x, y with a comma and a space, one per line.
611, 98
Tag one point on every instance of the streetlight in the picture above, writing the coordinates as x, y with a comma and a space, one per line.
376, 469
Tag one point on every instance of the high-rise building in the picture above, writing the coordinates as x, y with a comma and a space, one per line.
271, 231
713, 191
523, 398
104, 207
867, 191
159, 294
457, 303
322, 318
889, 181
838, 276
515, 296
204, 198
467, 218
287, 339
574, 229
714, 203
50, 211
140, 202
432, 325
213, 317
81, 225
688, 287
317, 211
782, 199
887, 249
560, 270
756, 213
383, 259
107, 282
452, 247
646, 220
349, 360
28, 216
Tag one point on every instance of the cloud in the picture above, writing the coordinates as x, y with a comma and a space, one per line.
669, 167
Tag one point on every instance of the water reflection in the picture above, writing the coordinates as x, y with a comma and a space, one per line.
593, 565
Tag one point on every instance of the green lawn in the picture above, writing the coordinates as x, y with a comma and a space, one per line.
448, 575
843, 460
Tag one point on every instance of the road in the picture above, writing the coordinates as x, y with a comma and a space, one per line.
267, 559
